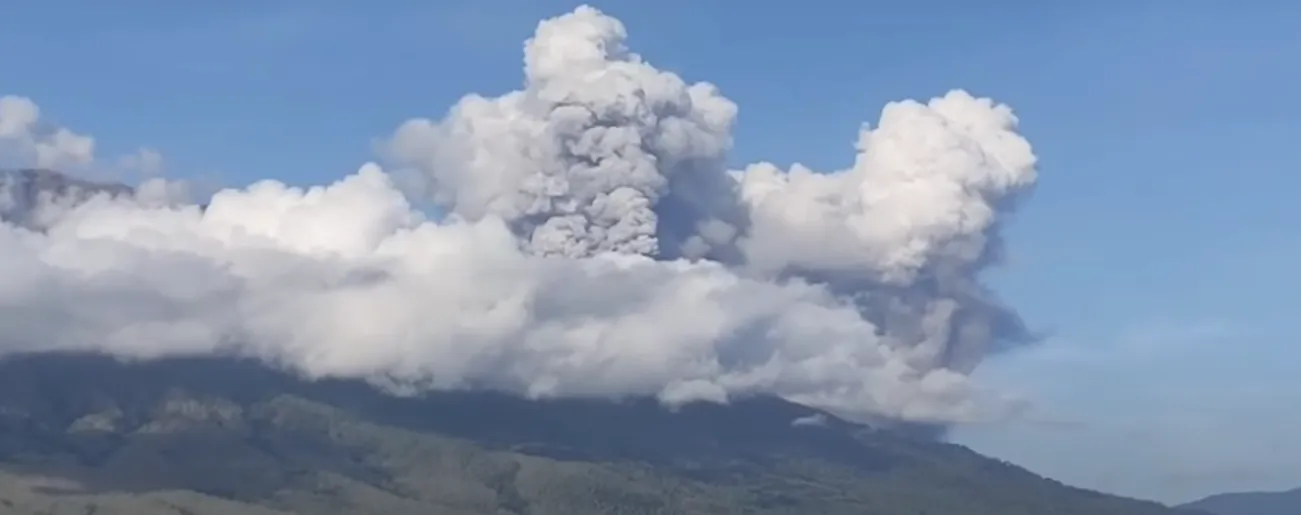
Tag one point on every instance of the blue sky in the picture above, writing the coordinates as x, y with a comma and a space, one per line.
1159, 249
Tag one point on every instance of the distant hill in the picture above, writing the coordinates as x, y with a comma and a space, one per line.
23, 191
1250, 503
90, 435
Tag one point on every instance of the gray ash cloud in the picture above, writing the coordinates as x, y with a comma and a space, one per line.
594, 244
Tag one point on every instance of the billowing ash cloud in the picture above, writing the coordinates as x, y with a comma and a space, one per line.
590, 242
600, 152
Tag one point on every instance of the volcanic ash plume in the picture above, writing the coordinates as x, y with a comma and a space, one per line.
591, 242
600, 152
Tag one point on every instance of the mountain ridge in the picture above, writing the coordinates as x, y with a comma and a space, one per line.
1286, 502
224, 435
27, 193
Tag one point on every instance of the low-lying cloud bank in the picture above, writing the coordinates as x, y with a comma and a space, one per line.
594, 244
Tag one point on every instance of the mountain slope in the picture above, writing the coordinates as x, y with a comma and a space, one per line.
24, 192
1250, 503
83, 434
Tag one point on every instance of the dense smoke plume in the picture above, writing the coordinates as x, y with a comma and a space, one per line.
590, 242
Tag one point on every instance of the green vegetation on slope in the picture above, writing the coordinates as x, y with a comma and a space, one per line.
89, 436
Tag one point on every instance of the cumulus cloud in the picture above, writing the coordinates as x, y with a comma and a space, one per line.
29, 139
589, 241
33, 195
24, 139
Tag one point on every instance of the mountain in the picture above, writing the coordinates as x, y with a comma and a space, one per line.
23, 192
1250, 503
83, 434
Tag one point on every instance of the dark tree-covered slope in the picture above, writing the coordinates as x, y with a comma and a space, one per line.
85, 434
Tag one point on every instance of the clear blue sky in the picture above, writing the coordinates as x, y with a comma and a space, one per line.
1160, 248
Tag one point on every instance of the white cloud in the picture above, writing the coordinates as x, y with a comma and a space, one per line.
595, 244
25, 138
29, 140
